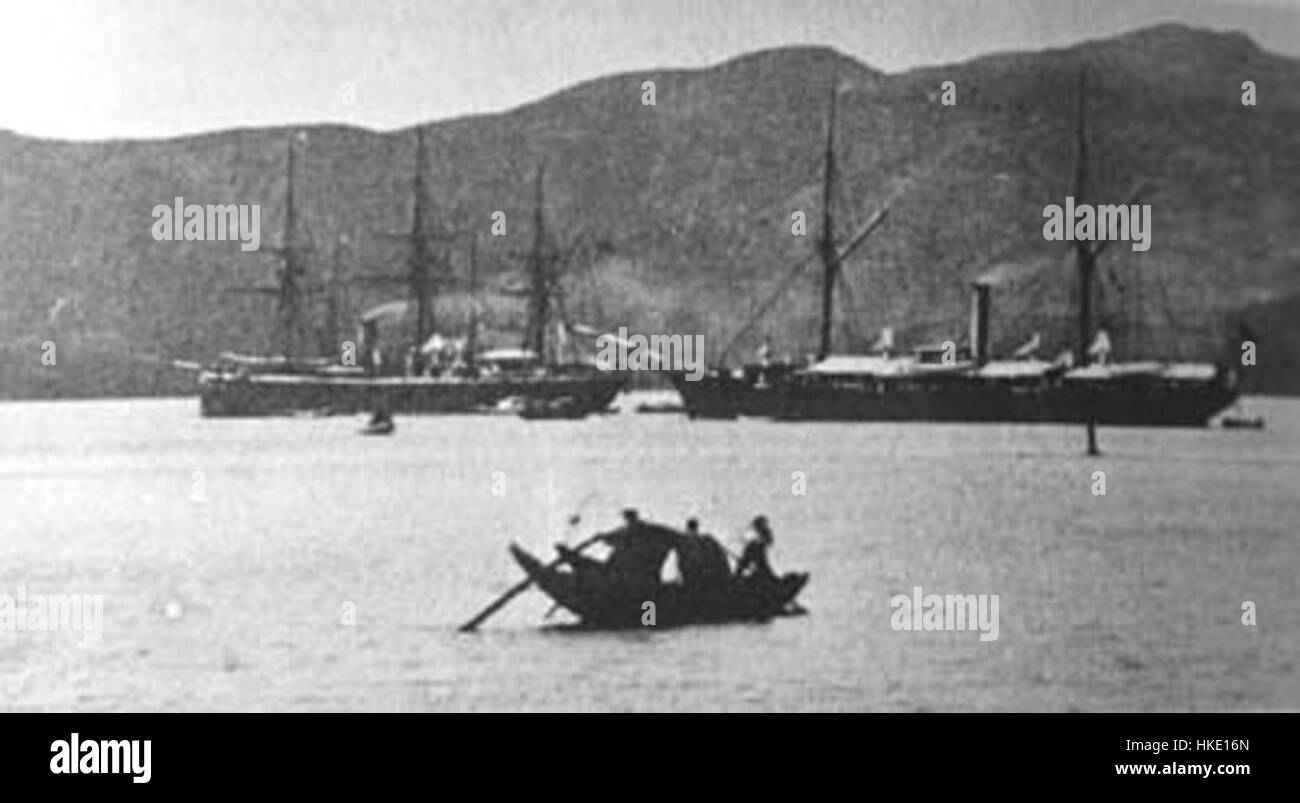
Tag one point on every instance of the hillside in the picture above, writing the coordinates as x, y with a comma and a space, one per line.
680, 212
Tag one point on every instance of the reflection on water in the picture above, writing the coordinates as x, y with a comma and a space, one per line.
230, 553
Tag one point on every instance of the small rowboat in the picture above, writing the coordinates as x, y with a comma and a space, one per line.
1243, 423
660, 408
562, 407
383, 426
599, 605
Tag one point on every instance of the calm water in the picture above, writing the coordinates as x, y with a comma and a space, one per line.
228, 551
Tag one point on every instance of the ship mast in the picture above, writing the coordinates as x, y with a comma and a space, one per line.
539, 271
1086, 259
420, 256
1086, 253
333, 286
290, 301
288, 290
420, 278
471, 337
830, 262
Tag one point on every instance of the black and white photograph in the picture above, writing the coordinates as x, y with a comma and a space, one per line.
595, 356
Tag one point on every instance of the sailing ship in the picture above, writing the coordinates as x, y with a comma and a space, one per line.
936, 384
244, 385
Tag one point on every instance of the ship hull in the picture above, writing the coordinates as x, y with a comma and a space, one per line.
1129, 401
754, 392
230, 394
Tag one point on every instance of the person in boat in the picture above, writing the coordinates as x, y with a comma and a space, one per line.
583, 563
637, 554
753, 564
702, 561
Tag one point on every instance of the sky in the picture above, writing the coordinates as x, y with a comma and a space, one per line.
105, 69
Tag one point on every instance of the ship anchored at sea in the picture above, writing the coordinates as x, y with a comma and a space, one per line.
966, 385
435, 374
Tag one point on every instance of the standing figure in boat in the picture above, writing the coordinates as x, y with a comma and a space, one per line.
637, 554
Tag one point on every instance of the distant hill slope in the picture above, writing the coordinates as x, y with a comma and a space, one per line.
681, 212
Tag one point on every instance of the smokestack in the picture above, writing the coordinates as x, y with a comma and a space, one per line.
979, 322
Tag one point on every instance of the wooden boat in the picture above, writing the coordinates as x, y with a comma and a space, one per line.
1232, 422
665, 407
561, 407
599, 605
379, 426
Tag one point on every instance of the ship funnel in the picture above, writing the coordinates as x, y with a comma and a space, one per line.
979, 322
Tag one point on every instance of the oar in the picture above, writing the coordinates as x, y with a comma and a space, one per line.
518, 589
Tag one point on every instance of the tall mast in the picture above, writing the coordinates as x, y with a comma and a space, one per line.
419, 278
290, 292
332, 291
1087, 253
539, 296
471, 337
1086, 257
830, 266
420, 256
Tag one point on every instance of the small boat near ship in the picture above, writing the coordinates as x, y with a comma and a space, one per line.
1238, 422
565, 407
379, 424
660, 408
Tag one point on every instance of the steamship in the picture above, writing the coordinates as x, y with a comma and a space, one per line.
968, 385
438, 374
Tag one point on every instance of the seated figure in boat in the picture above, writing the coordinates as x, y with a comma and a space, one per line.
753, 564
702, 563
